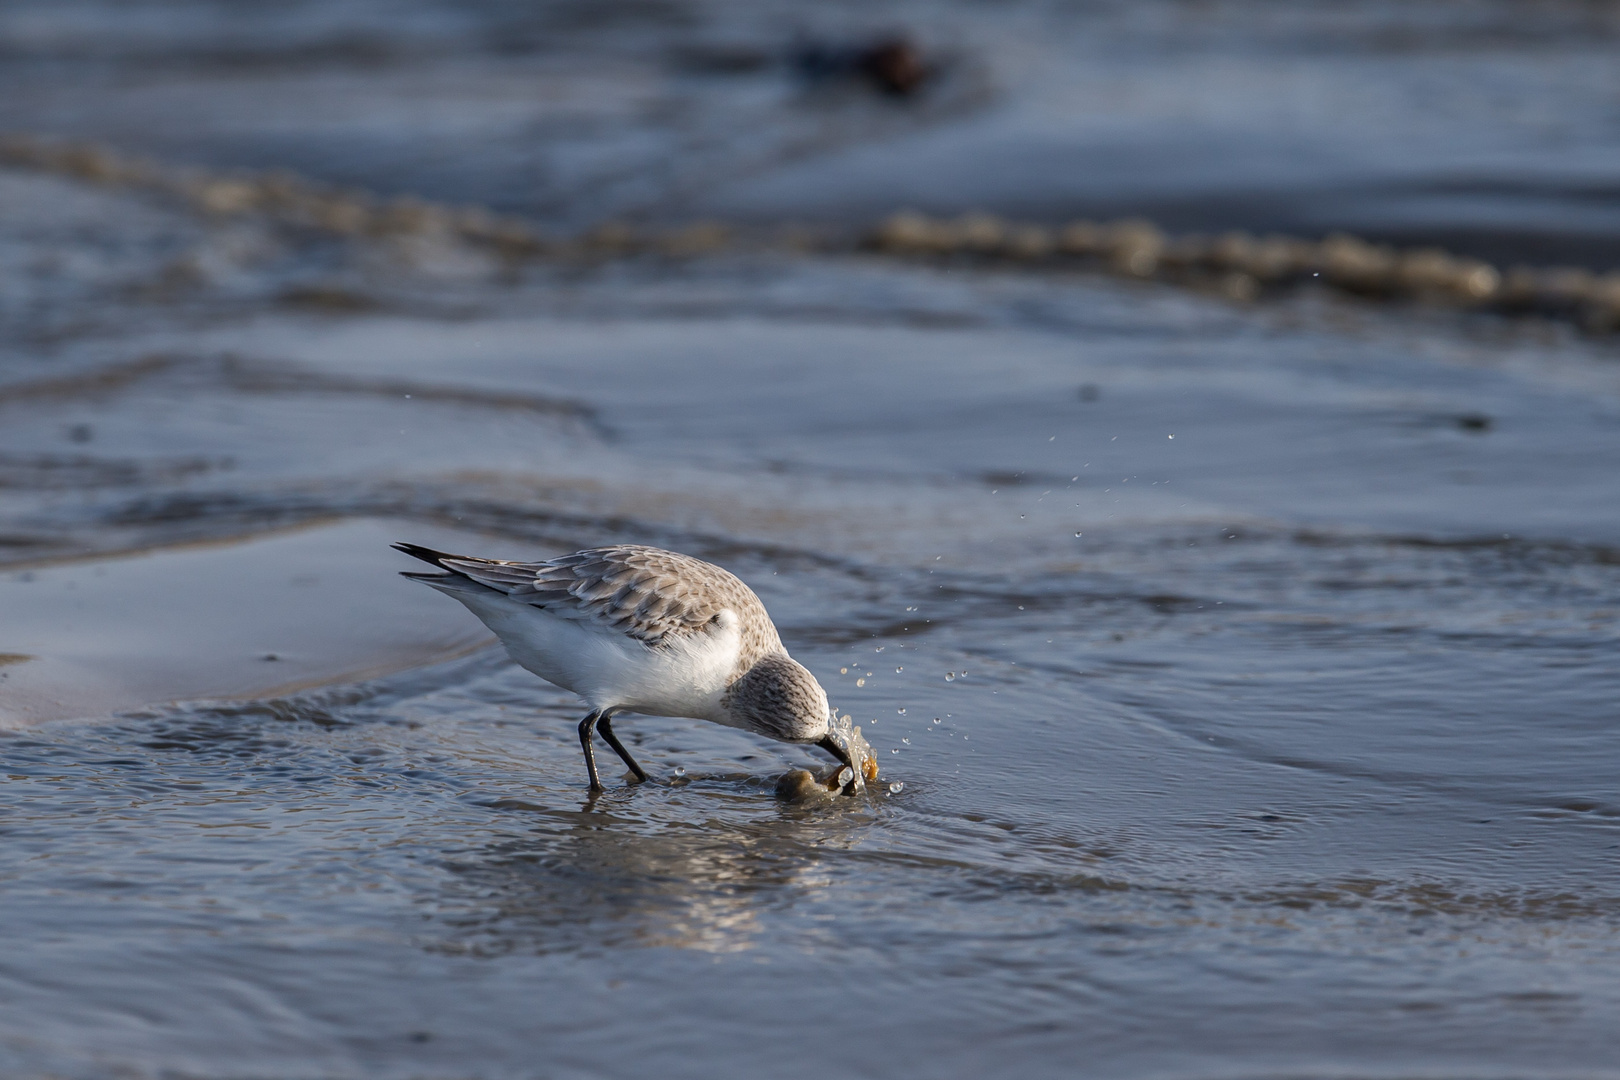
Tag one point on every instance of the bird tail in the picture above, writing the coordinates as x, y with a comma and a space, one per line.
452, 581
426, 554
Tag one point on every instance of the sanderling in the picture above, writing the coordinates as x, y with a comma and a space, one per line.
639, 629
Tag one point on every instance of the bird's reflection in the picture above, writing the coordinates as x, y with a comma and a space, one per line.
692, 867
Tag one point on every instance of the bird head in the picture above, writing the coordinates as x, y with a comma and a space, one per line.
779, 697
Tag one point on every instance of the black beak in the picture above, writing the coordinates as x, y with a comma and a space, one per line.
842, 755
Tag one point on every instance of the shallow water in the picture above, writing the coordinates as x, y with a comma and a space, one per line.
1246, 672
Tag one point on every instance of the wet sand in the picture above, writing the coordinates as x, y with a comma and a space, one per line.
1247, 666
258, 618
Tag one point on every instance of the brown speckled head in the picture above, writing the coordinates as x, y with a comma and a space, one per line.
780, 698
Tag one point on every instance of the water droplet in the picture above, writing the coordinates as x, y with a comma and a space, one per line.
680, 770
902, 712
896, 750
843, 671
1077, 535
898, 670
936, 719
1022, 516
845, 777
880, 648
896, 788
906, 741
860, 682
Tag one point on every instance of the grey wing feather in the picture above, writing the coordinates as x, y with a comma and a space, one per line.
643, 592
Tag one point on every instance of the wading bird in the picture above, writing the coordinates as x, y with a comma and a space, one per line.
640, 629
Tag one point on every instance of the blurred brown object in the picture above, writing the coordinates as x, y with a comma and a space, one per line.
894, 65
891, 64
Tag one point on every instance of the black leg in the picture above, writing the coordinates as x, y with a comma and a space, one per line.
605, 726
585, 727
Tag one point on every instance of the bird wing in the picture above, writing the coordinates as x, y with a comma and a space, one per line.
642, 592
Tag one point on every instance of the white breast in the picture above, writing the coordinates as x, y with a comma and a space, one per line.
685, 676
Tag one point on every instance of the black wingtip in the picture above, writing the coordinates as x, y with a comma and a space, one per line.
426, 554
